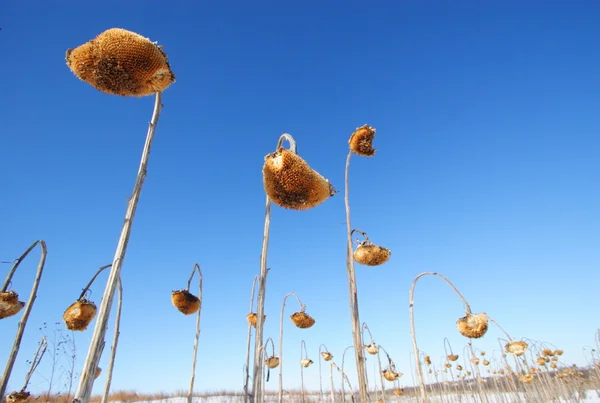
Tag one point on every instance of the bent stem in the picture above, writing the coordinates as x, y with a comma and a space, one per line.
87, 287
302, 308
353, 293
412, 324
117, 332
86, 380
197, 336
303, 355
23, 322
37, 358
262, 285
247, 368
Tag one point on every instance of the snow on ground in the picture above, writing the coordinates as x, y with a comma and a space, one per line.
592, 396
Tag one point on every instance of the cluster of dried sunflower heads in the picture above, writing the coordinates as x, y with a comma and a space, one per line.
291, 183
361, 141
390, 374
516, 348
302, 320
79, 314
10, 304
327, 356
370, 254
252, 319
306, 362
526, 378
18, 397
121, 62
272, 362
186, 302
372, 348
473, 326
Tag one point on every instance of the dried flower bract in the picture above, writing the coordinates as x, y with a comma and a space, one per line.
291, 183
361, 141
516, 348
306, 362
327, 356
302, 320
252, 318
79, 314
272, 362
18, 397
10, 304
121, 62
186, 302
473, 326
371, 255
372, 348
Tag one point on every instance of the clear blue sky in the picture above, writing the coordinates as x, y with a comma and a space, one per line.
487, 171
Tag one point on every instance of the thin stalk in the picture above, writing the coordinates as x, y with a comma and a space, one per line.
302, 307
302, 344
197, 336
262, 285
37, 358
331, 385
28, 307
412, 324
247, 368
342, 371
86, 380
320, 377
89, 284
352, 289
113, 349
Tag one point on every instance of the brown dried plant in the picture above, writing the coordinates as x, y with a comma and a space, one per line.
121, 62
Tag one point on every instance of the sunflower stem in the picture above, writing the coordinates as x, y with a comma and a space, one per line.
354, 314
37, 358
89, 284
113, 349
197, 336
28, 307
247, 368
86, 380
302, 307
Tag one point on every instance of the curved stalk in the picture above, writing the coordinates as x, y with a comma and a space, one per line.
302, 348
262, 285
28, 307
89, 284
302, 307
86, 380
412, 324
197, 335
249, 340
113, 349
342, 371
352, 289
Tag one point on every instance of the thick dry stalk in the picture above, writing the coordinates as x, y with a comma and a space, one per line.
23, 322
89, 284
197, 337
302, 307
247, 367
412, 324
262, 285
113, 349
302, 344
352, 289
86, 380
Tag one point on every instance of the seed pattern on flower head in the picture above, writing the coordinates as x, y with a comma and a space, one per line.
186, 302
291, 183
361, 141
121, 62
